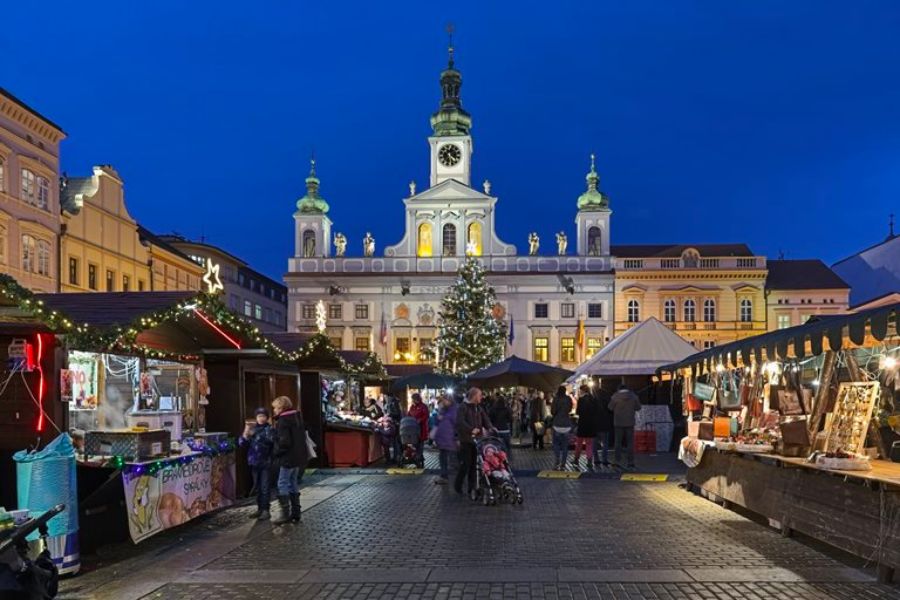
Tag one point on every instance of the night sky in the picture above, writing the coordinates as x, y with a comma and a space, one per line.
767, 122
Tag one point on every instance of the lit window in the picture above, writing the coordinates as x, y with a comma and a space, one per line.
43, 193
73, 270
784, 321
401, 349
690, 311
449, 239
27, 186
473, 238
28, 250
746, 310
337, 342
335, 311
362, 311
110, 281
567, 310
248, 308
424, 348
361, 343
126, 283
567, 350
634, 311
542, 349
709, 310
540, 310
669, 311
92, 277
309, 311
425, 240
593, 346
258, 312
43, 256
595, 310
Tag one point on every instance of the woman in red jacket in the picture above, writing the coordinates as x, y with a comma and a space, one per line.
419, 412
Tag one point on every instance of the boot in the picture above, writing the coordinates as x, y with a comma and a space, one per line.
264, 514
255, 514
284, 503
295, 507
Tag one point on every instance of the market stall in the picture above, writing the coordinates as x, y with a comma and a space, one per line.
132, 380
802, 426
332, 388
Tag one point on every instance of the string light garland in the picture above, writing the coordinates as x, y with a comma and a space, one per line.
152, 468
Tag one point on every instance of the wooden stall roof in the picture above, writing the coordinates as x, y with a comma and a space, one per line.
104, 310
847, 330
407, 370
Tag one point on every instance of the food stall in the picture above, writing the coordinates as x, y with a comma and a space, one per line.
332, 387
131, 379
802, 426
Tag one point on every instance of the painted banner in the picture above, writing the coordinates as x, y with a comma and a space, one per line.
177, 493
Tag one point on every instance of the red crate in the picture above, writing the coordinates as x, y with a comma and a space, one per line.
645, 441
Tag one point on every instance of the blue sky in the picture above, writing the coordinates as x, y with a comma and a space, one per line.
767, 122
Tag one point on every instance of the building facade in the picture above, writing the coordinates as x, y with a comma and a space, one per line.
873, 273
170, 268
247, 292
799, 289
709, 294
100, 249
389, 302
29, 195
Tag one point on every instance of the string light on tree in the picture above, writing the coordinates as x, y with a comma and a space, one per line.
321, 318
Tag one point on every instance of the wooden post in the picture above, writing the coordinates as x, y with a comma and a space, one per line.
820, 402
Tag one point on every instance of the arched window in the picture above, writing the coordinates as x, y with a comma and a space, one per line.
669, 311
634, 311
309, 243
595, 242
473, 239
690, 259
709, 310
425, 240
746, 310
690, 311
43, 256
449, 240
29, 247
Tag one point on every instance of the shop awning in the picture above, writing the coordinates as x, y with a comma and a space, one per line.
820, 333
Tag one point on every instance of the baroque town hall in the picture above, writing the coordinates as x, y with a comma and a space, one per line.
388, 302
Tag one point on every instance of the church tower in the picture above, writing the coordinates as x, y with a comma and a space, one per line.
592, 219
451, 144
312, 227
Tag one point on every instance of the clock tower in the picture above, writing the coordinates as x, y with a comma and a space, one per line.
451, 144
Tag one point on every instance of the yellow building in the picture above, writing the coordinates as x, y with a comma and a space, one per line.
29, 196
709, 294
171, 269
99, 245
799, 289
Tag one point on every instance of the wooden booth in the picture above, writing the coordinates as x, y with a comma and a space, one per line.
802, 426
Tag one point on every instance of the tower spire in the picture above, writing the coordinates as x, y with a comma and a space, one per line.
891, 234
592, 198
312, 202
450, 118
449, 45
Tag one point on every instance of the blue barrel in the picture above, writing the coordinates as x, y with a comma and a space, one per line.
46, 478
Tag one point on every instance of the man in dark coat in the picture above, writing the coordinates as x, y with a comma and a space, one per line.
471, 422
587, 427
291, 455
604, 424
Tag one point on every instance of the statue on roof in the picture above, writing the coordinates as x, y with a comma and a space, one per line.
534, 243
561, 243
368, 245
340, 244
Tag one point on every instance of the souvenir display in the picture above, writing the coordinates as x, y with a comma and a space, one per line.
848, 426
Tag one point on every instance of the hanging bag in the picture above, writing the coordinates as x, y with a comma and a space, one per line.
728, 396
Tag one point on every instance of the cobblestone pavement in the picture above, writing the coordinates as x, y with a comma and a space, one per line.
378, 536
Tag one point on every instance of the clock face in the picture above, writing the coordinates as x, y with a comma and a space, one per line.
449, 155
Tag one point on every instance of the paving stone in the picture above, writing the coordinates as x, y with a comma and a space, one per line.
249, 576
389, 575
623, 575
488, 574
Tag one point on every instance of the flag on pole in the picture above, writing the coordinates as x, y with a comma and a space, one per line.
580, 338
512, 329
383, 330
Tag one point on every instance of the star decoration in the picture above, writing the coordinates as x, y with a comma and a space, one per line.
211, 278
321, 319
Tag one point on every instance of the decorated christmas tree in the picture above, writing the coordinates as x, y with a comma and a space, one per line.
470, 337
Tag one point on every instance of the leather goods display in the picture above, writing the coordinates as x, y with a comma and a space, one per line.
704, 391
727, 395
722, 427
794, 432
694, 404
789, 402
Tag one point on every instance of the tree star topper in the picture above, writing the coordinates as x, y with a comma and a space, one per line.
211, 278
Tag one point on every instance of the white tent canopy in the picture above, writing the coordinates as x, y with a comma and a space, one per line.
639, 351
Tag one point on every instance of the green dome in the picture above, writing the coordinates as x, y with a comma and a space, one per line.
312, 202
592, 198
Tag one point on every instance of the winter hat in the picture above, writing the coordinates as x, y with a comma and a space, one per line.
261, 411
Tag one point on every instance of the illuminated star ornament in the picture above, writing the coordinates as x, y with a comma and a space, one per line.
211, 279
321, 319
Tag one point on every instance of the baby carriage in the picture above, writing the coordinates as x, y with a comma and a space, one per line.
21, 577
410, 432
495, 482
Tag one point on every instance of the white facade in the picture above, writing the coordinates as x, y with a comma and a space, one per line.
542, 296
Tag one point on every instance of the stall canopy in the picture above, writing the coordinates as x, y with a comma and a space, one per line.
639, 351
515, 371
318, 353
810, 339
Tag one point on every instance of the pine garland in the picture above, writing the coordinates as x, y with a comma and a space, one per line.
469, 337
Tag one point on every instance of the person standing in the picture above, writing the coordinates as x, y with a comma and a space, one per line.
624, 404
393, 410
260, 442
517, 408
471, 422
370, 409
562, 426
586, 430
419, 411
291, 456
604, 425
444, 436
501, 417
536, 414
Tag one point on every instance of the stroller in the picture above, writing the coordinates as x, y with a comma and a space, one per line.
494, 480
410, 431
20, 577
